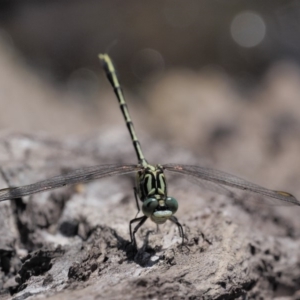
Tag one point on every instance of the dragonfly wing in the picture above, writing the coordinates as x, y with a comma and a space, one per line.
224, 179
213, 187
76, 176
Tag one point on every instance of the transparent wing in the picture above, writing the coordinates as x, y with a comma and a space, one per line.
73, 177
222, 179
213, 187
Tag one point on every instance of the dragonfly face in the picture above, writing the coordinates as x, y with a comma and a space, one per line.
152, 191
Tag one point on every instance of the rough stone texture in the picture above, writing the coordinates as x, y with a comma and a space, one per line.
73, 243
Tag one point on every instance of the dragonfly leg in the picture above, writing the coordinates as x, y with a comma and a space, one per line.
141, 221
136, 201
180, 229
157, 228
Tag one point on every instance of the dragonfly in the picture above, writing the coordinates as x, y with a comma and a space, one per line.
151, 185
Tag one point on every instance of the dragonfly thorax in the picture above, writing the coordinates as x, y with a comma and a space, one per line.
150, 182
152, 191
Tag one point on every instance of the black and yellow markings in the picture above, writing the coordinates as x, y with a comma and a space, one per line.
113, 79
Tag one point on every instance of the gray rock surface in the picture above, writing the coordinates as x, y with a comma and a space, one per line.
73, 242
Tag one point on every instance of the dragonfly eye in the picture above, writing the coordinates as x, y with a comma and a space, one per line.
149, 206
172, 204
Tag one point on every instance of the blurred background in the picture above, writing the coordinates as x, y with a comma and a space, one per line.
219, 79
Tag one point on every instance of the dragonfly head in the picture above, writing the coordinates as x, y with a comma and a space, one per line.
159, 210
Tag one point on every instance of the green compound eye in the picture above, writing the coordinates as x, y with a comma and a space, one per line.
172, 204
149, 206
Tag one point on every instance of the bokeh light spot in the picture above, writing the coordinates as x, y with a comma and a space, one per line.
248, 29
83, 81
146, 63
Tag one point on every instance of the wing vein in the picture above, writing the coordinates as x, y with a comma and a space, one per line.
76, 176
226, 179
